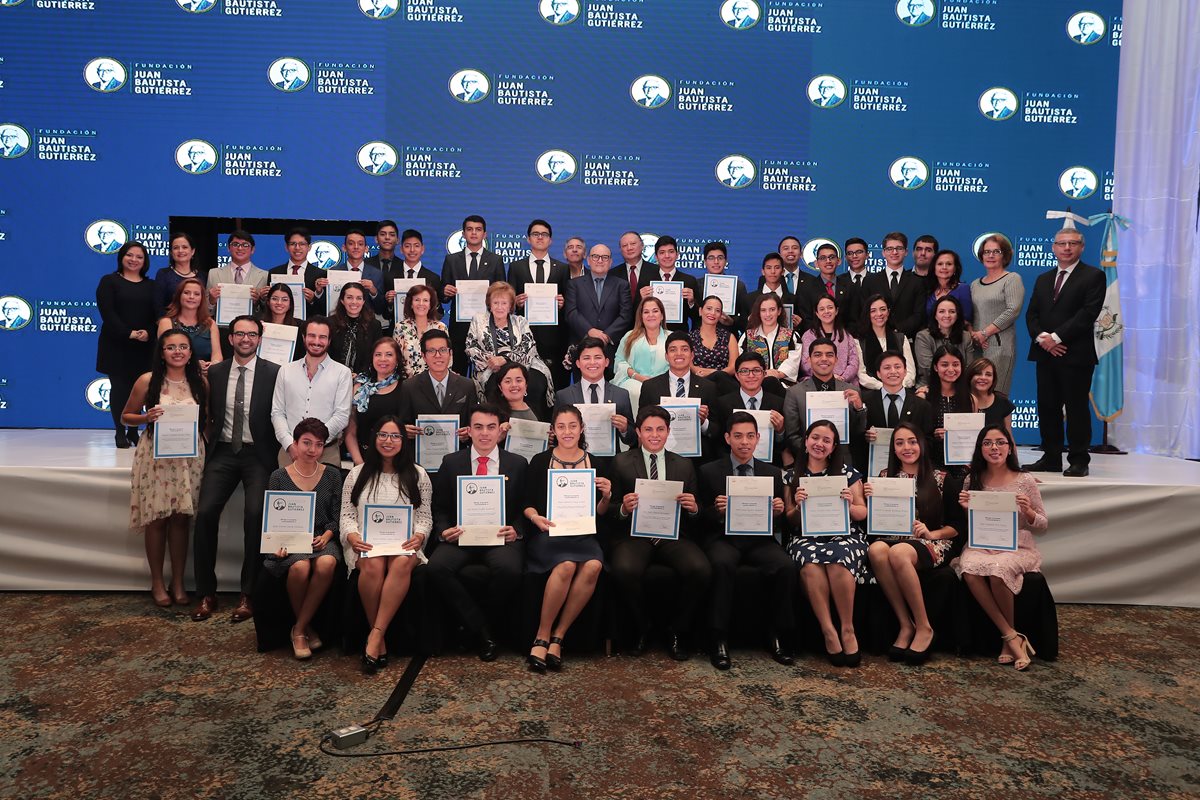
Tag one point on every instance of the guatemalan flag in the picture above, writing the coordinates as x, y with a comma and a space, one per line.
1108, 382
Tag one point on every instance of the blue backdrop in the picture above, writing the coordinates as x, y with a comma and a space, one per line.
116, 114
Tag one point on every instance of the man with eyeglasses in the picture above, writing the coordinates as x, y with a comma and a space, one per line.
1061, 317
197, 162
299, 242
857, 252
240, 270
716, 262
106, 74
10, 143
826, 285
750, 370
470, 91
437, 390
597, 303
904, 291
539, 267
242, 449
289, 71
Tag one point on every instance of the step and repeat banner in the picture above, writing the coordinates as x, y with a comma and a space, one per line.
741, 121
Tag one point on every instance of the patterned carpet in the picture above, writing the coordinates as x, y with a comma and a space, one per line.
105, 696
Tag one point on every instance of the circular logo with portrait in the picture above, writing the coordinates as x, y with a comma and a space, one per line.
908, 172
561, 481
377, 517
1086, 27
196, 6
648, 242
472, 488
14, 140
555, 166
15, 313
456, 242
915, 13
1077, 182
196, 156
11, 2
983, 237
650, 91
809, 251
378, 9
998, 103
288, 74
559, 12
324, 254
105, 236
469, 85
826, 91
105, 74
279, 504
98, 393
376, 158
735, 171
740, 14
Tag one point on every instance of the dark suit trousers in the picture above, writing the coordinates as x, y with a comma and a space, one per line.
223, 471
120, 387
632, 555
506, 564
1061, 385
458, 345
767, 556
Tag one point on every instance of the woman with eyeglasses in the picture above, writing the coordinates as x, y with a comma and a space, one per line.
998, 297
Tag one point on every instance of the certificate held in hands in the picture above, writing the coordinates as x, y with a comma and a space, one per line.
437, 439
832, 406
657, 512
278, 343
670, 294
824, 513
288, 519
470, 300
598, 427
891, 508
236, 300
296, 284
684, 436
481, 510
748, 506
387, 529
571, 501
961, 432
541, 303
879, 452
177, 432
993, 520
526, 437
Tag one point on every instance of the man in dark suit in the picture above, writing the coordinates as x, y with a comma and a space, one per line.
369, 275
506, 561
592, 360
632, 264
1061, 317
539, 267
473, 262
856, 272
631, 555
437, 390
242, 449
904, 291
822, 357
826, 285
666, 250
892, 405
750, 370
680, 381
408, 266
725, 552
772, 268
299, 241
597, 303
716, 259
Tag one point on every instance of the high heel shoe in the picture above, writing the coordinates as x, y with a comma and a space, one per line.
916, 658
534, 663
1022, 664
314, 641
553, 662
897, 654
371, 664
1004, 658
300, 647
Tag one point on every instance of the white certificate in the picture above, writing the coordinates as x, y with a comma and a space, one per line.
785, 319
724, 287
278, 343
993, 520
831, 406
961, 432
670, 294
401, 286
177, 432
296, 284
387, 529
879, 451
236, 300
481, 510
527, 438
749, 506
571, 501
437, 439
288, 521
333, 292
541, 303
657, 512
598, 427
892, 507
470, 300
765, 451
824, 513
684, 437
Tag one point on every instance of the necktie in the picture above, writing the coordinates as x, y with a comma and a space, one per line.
474, 265
541, 269
295, 270
595, 394
633, 287
680, 389
354, 269
239, 409
599, 288
410, 273
893, 415
753, 403
858, 281
791, 282
441, 394
743, 470
1058, 282
385, 265
666, 276
829, 289
653, 466
483, 464
237, 275
895, 278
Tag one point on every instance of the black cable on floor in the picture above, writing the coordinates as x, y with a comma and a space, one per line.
578, 745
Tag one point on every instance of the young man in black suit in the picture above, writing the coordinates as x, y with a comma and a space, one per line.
666, 250
437, 390
822, 356
679, 381
904, 291
750, 371
506, 561
856, 253
242, 449
299, 242
726, 552
539, 267
844, 295
597, 303
631, 555
473, 262
892, 405
1061, 317
409, 265
593, 388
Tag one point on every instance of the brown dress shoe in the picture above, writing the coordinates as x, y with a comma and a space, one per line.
208, 605
243, 611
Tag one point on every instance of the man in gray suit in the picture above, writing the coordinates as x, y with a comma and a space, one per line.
240, 270
822, 356
591, 387
597, 304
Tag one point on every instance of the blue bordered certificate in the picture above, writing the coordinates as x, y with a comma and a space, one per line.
177, 432
237, 299
992, 520
824, 513
481, 510
527, 437
961, 432
387, 529
892, 507
657, 512
878, 452
401, 286
541, 303
765, 450
571, 501
288, 521
438, 438
684, 437
670, 294
333, 291
296, 284
749, 506
723, 287
278, 343
831, 406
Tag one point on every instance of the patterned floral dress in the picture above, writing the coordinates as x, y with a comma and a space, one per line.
410, 345
164, 486
848, 551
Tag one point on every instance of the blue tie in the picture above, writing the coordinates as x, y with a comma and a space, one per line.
599, 288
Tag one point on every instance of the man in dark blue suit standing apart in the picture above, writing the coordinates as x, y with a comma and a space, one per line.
598, 304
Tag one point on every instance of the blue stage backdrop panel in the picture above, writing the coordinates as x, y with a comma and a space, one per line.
598, 116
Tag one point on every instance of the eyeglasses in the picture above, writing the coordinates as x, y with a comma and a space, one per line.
383, 436
750, 371
598, 257
437, 351
715, 257
176, 348
856, 252
239, 245
244, 334
893, 249
991, 252
538, 234
829, 257
994, 443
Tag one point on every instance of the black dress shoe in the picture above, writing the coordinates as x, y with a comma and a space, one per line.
1076, 471
779, 652
122, 440
676, 648
639, 645
489, 649
720, 656
1043, 464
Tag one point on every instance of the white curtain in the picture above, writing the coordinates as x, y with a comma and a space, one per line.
1157, 178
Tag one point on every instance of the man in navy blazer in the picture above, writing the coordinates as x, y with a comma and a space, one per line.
907, 301
601, 310
679, 372
506, 561
299, 242
909, 408
242, 448
591, 387
473, 262
419, 394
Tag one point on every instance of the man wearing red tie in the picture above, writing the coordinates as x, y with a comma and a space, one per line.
827, 285
299, 241
632, 264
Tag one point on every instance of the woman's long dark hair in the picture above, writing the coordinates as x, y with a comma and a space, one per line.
930, 509
494, 394
125, 248
839, 330
962, 387
979, 466
404, 463
290, 317
956, 330
191, 370
341, 320
866, 336
570, 411
833, 464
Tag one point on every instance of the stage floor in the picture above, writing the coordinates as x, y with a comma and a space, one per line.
1128, 533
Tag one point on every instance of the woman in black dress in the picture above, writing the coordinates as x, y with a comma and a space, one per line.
996, 407
574, 562
376, 396
353, 329
125, 298
949, 392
